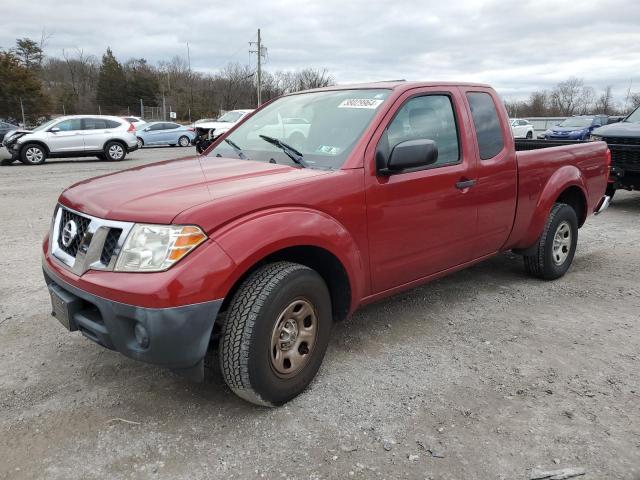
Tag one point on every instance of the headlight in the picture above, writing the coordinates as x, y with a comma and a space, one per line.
595, 138
153, 248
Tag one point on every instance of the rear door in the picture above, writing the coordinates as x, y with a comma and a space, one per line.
421, 222
171, 133
97, 131
496, 190
67, 136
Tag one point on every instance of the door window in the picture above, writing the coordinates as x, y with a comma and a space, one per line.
487, 124
170, 126
157, 126
428, 117
70, 125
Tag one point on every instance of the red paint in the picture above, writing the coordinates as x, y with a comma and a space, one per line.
389, 233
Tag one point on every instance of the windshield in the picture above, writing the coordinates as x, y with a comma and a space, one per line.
230, 117
45, 125
333, 122
634, 117
580, 122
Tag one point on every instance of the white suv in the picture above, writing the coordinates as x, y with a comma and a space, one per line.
108, 138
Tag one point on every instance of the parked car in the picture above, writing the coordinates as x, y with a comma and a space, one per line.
108, 138
5, 128
521, 128
578, 127
165, 133
137, 122
203, 120
207, 132
247, 256
623, 139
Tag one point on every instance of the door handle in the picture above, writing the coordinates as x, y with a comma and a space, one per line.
462, 184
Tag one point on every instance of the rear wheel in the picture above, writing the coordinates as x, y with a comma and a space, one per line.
115, 151
184, 141
276, 333
33, 154
556, 246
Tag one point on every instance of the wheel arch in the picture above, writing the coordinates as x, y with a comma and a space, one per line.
37, 142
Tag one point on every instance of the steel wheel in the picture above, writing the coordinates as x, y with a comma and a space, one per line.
116, 152
562, 243
183, 142
34, 155
293, 338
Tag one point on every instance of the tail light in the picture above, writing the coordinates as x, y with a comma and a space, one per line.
132, 127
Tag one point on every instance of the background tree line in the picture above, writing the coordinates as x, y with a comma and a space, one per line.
571, 97
79, 83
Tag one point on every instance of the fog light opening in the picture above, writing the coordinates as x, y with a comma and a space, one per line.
142, 336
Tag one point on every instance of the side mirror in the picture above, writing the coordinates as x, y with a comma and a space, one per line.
146, 129
410, 155
54, 130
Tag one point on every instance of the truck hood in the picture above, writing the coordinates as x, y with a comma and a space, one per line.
158, 192
620, 129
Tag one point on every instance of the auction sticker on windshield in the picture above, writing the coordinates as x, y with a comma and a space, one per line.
360, 103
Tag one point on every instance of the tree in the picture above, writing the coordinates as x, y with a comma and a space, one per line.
142, 82
29, 53
566, 96
605, 102
112, 83
20, 83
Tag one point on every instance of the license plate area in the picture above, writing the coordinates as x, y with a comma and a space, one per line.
64, 306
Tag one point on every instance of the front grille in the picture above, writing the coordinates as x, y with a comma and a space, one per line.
82, 223
622, 140
110, 245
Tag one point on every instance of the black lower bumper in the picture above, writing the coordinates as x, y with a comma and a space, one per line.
175, 338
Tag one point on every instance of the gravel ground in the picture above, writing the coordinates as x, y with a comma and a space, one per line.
485, 374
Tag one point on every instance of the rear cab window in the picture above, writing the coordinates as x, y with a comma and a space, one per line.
487, 124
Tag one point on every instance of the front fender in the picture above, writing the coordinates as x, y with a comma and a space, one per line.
250, 239
563, 178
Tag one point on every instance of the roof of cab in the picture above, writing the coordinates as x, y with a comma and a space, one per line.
397, 85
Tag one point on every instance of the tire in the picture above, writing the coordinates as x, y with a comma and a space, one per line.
33, 154
184, 141
140, 142
610, 191
279, 300
556, 246
115, 151
529, 135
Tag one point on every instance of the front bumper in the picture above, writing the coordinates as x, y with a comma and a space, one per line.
177, 337
602, 205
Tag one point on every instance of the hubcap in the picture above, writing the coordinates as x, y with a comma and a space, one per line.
561, 243
116, 152
293, 338
184, 142
34, 155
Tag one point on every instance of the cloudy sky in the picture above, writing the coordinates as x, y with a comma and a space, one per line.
516, 45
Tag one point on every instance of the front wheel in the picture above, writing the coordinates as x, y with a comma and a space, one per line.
115, 151
139, 142
529, 135
33, 154
610, 191
276, 332
184, 141
556, 247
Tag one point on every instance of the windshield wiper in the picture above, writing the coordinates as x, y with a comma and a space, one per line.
238, 150
291, 152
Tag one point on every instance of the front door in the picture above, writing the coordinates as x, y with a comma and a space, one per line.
66, 136
421, 222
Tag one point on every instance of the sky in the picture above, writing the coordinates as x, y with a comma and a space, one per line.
515, 45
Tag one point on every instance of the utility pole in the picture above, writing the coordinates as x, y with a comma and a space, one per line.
260, 52
24, 123
190, 82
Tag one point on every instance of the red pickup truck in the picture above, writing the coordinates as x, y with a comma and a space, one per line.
247, 254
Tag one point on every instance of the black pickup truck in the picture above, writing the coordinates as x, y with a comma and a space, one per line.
623, 139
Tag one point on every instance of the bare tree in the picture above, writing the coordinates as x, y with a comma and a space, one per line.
605, 102
566, 96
